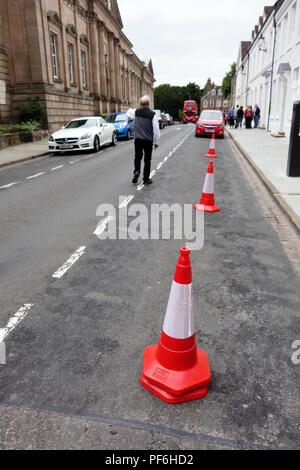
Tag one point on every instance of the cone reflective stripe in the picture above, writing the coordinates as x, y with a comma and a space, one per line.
175, 370
212, 148
207, 201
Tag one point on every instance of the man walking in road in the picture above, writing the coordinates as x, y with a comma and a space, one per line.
146, 133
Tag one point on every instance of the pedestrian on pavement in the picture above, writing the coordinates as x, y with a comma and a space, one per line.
235, 116
146, 133
256, 116
248, 117
231, 117
239, 117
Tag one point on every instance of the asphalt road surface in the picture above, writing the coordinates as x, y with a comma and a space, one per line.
77, 312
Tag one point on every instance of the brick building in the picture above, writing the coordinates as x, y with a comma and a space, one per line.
73, 55
213, 98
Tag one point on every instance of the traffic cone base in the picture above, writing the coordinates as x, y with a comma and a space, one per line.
211, 155
206, 208
175, 386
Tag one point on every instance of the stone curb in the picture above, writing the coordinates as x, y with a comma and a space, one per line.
14, 162
295, 219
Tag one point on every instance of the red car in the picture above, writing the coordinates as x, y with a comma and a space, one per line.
210, 122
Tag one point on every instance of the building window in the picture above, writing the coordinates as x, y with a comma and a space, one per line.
205, 103
70, 62
53, 39
212, 103
225, 103
83, 68
219, 104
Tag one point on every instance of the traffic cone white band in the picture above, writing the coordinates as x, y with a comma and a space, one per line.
212, 144
209, 184
179, 318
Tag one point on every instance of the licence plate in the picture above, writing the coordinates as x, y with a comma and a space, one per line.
210, 130
66, 146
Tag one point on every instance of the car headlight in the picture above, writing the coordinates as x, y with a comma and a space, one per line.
123, 125
221, 126
86, 136
51, 139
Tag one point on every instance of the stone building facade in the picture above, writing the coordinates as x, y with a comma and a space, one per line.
73, 55
213, 98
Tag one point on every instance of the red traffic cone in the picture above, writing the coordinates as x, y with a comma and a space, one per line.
212, 148
207, 201
175, 370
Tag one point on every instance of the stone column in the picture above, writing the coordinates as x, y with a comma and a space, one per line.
101, 41
94, 54
117, 68
111, 53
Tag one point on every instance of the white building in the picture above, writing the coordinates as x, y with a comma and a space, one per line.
268, 66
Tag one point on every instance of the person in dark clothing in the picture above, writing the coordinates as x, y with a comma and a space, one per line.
256, 116
146, 133
239, 117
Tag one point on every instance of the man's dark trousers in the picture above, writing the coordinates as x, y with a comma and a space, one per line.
143, 148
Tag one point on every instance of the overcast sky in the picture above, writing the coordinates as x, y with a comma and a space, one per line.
189, 40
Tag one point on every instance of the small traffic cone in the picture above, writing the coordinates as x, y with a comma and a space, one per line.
212, 148
175, 370
207, 201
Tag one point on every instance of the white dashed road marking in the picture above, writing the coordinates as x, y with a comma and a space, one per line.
69, 263
10, 185
35, 176
14, 321
56, 168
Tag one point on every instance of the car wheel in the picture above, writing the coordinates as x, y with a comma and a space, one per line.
114, 139
128, 135
96, 144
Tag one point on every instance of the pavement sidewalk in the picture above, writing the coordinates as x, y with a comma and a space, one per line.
23, 152
268, 155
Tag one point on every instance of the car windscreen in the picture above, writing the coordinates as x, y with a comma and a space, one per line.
82, 123
117, 118
211, 116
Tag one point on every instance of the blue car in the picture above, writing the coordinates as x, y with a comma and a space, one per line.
124, 125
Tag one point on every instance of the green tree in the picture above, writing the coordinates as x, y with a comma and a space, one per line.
226, 84
170, 98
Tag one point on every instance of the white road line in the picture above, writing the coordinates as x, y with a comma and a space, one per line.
10, 185
69, 263
35, 176
56, 168
74, 161
140, 187
14, 321
102, 225
126, 202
